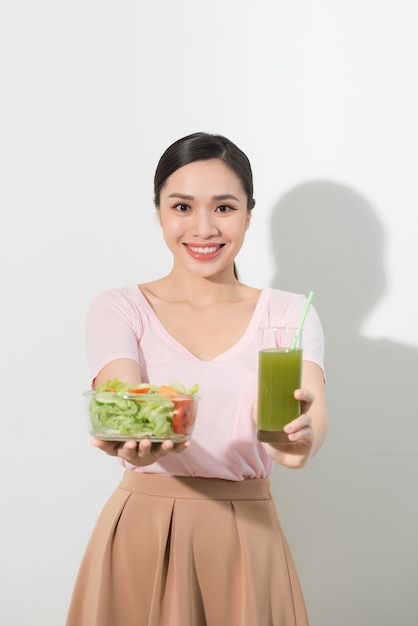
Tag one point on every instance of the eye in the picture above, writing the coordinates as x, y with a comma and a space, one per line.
181, 207
224, 208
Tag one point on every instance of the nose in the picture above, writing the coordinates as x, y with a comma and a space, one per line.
204, 224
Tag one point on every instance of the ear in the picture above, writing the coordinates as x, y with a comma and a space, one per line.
157, 211
249, 216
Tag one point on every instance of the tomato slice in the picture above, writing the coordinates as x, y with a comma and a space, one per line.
165, 390
183, 415
142, 390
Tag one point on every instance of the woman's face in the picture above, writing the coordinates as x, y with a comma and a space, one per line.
203, 214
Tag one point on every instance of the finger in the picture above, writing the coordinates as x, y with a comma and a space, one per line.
304, 435
128, 450
166, 447
179, 447
110, 447
303, 421
255, 412
300, 431
146, 449
99, 443
303, 395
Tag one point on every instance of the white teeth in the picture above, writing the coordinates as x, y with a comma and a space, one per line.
206, 250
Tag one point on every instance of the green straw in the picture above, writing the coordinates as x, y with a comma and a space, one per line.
302, 320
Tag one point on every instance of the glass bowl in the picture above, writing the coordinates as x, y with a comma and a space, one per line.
125, 416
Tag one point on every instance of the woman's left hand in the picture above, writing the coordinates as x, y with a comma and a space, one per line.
298, 450
307, 432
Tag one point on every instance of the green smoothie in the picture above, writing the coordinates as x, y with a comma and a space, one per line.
279, 376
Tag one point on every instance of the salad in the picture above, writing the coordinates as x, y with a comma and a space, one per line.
119, 411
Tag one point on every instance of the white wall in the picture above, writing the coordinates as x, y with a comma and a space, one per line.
322, 96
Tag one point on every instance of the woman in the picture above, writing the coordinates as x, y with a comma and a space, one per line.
191, 536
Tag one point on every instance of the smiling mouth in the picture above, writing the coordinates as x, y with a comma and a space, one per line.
204, 249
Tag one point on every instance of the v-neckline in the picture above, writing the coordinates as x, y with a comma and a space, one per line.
248, 334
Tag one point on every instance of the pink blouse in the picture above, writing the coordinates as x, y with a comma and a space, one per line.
122, 324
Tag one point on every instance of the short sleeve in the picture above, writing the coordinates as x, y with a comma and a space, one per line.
113, 329
286, 309
313, 342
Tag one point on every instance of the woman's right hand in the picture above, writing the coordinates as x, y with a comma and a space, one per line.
140, 453
136, 453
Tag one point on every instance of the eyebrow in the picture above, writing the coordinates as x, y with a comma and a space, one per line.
225, 196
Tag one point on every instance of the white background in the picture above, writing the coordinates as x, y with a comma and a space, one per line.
322, 97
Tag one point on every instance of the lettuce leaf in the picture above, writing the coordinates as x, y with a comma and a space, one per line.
115, 411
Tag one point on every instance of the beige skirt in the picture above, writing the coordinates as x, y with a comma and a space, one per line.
170, 551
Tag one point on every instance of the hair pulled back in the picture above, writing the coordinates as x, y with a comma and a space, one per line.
201, 147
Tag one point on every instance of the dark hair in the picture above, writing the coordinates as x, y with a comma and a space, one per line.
200, 147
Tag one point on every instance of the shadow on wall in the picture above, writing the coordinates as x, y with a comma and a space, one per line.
352, 515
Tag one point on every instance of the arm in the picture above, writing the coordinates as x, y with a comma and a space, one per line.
136, 453
307, 432
124, 369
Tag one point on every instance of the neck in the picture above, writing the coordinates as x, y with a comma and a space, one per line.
201, 290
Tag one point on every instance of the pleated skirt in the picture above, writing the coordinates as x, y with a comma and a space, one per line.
171, 551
